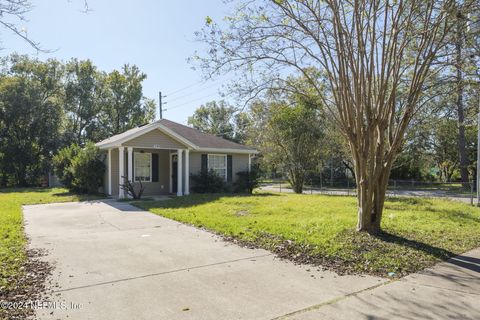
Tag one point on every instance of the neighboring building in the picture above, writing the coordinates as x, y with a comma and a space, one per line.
164, 154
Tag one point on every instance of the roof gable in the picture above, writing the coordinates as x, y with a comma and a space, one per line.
154, 139
173, 135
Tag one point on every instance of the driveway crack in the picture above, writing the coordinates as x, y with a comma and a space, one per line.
162, 273
331, 301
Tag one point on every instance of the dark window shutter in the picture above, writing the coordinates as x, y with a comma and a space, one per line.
204, 163
154, 167
229, 168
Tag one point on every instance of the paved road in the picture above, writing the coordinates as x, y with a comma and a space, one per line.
117, 262
396, 193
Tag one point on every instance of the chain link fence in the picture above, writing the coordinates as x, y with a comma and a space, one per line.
462, 191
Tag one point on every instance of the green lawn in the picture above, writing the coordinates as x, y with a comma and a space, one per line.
12, 237
320, 228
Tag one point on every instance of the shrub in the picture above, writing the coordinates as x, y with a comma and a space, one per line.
80, 170
62, 163
88, 169
208, 182
247, 180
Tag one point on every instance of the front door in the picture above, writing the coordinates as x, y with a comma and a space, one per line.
174, 173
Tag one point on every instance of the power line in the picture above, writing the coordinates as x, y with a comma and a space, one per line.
192, 93
187, 87
199, 83
187, 102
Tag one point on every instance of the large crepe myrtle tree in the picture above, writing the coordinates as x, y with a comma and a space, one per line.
375, 57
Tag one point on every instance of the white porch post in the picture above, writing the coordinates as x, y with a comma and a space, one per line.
187, 172
249, 162
179, 173
130, 164
121, 171
109, 162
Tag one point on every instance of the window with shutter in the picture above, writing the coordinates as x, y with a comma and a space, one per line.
218, 163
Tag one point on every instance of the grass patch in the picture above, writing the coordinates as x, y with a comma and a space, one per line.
12, 238
319, 229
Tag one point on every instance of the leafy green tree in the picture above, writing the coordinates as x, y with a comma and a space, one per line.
123, 104
289, 136
221, 119
445, 148
84, 88
31, 119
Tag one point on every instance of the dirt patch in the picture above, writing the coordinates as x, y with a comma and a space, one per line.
242, 213
27, 287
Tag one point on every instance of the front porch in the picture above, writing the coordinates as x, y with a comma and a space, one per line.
162, 171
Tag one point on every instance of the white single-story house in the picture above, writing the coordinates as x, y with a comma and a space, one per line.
163, 155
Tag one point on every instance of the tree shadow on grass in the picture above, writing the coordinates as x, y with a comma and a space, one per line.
195, 200
409, 200
439, 253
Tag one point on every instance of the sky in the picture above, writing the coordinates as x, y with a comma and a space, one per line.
157, 36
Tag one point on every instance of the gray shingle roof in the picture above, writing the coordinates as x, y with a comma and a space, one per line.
200, 139
194, 136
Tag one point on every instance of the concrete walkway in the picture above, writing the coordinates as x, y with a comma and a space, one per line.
450, 290
113, 261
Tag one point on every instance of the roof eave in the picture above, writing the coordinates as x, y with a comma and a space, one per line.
119, 142
228, 150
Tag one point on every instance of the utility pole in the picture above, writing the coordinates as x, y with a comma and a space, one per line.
478, 155
160, 104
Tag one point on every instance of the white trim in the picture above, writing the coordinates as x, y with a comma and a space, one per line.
109, 161
226, 162
134, 166
150, 148
179, 173
130, 164
187, 172
146, 129
234, 151
121, 171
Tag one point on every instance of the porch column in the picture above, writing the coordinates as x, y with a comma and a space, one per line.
249, 162
179, 173
109, 163
121, 171
130, 164
187, 172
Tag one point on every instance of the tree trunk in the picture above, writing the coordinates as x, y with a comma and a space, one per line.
460, 112
296, 179
372, 182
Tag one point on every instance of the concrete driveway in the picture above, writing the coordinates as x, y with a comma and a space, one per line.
113, 261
